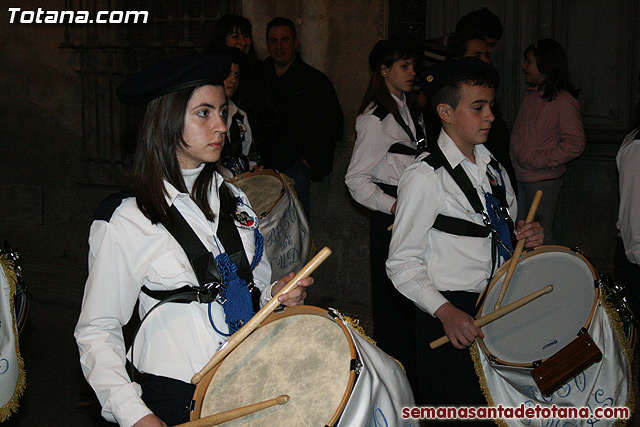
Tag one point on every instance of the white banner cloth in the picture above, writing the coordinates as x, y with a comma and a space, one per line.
380, 392
12, 376
287, 235
604, 384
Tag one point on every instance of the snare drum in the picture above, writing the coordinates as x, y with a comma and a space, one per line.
539, 329
517, 342
286, 231
312, 356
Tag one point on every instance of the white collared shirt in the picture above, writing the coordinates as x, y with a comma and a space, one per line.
628, 160
371, 161
424, 261
177, 340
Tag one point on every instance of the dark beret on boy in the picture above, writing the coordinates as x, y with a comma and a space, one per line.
173, 74
453, 70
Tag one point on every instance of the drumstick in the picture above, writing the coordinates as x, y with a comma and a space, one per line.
518, 250
498, 313
232, 414
262, 314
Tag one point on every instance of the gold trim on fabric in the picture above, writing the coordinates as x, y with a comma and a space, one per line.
355, 325
618, 328
12, 404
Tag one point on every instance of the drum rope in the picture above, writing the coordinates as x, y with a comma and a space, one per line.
12, 404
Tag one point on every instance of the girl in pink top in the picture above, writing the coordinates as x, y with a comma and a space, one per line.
547, 133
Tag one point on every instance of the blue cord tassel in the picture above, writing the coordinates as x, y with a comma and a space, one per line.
499, 224
238, 308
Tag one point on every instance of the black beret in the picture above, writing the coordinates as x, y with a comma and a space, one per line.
237, 56
453, 70
173, 74
401, 42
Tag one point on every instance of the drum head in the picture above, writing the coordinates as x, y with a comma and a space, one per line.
539, 329
305, 356
263, 189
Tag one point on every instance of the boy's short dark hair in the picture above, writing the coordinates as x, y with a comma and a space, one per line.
481, 20
451, 93
283, 22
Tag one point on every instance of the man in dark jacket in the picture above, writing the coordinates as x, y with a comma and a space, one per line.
295, 114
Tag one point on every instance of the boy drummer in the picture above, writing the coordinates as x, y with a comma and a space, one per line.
446, 242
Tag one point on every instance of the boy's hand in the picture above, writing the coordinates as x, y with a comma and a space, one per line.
458, 326
532, 232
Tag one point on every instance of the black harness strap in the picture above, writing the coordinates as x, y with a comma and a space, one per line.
202, 260
381, 112
204, 266
436, 160
462, 227
399, 148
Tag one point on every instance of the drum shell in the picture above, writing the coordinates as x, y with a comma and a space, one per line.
377, 388
529, 320
266, 339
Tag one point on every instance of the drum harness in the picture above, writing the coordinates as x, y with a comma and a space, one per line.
225, 279
398, 148
497, 220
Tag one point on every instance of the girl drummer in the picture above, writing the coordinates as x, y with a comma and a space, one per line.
133, 256
387, 140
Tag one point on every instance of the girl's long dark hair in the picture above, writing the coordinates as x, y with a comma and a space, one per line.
551, 61
155, 161
378, 92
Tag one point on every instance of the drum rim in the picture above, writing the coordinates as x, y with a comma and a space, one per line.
252, 174
203, 385
502, 271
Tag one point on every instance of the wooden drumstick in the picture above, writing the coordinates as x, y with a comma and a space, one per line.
518, 250
498, 313
262, 314
232, 414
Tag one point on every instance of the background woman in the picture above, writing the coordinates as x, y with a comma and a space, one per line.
132, 256
387, 140
547, 133
234, 31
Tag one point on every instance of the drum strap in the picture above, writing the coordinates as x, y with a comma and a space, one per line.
419, 139
462, 227
212, 283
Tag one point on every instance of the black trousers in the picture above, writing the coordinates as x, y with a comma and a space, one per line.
169, 399
446, 376
393, 313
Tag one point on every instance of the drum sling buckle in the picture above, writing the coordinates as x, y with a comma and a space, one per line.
209, 293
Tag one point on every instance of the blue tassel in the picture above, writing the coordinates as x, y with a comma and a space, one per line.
238, 308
